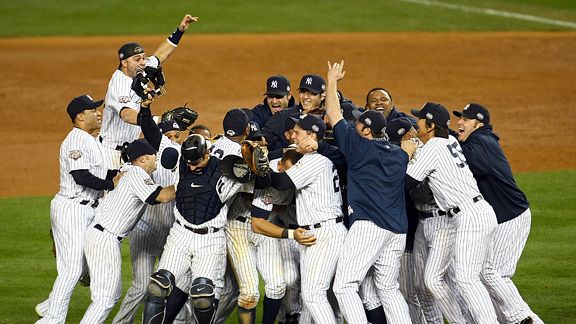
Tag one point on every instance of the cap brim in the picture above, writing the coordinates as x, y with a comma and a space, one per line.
314, 91
295, 120
356, 113
416, 112
97, 104
276, 93
457, 113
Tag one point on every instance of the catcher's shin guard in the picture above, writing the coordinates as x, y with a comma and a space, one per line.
159, 288
203, 300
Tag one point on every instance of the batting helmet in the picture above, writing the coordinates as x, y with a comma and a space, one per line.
194, 148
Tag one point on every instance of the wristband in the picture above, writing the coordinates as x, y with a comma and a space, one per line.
284, 233
174, 39
291, 234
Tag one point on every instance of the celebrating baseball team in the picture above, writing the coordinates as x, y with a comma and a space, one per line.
345, 213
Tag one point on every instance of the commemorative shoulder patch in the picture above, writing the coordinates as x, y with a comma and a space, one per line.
75, 154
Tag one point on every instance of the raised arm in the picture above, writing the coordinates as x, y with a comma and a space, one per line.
166, 48
335, 73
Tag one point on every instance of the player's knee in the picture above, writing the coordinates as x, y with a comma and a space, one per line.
433, 283
202, 294
248, 301
161, 284
312, 295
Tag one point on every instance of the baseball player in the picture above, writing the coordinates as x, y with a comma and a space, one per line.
318, 210
379, 99
116, 216
496, 183
122, 103
311, 94
441, 162
376, 209
278, 97
196, 242
82, 179
149, 236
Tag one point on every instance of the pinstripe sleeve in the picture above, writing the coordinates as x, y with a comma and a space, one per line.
305, 171
423, 162
141, 184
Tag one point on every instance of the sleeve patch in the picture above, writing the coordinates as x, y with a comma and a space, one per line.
124, 99
75, 154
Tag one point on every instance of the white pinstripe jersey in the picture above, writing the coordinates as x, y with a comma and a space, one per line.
442, 162
116, 131
317, 196
121, 208
265, 199
80, 151
224, 147
163, 212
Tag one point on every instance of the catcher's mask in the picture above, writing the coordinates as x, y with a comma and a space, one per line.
194, 148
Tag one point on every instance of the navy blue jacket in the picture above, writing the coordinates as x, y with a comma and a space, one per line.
262, 112
376, 173
394, 114
493, 174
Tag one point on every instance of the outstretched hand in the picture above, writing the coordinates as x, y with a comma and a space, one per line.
336, 71
186, 21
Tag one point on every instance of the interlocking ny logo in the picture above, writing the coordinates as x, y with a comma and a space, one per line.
274, 84
308, 81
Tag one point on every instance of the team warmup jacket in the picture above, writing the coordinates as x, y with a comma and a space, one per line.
493, 174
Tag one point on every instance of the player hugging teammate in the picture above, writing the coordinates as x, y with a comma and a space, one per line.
357, 214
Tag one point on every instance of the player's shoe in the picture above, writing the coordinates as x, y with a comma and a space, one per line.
527, 320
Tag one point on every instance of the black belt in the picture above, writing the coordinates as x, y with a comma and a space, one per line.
289, 226
242, 219
86, 202
101, 229
202, 231
318, 225
453, 211
424, 215
118, 147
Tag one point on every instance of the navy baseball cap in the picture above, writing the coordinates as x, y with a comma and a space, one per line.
138, 148
129, 49
81, 103
277, 85
348, 110
255, 133
434, 113
373, 119
396, 129
235, 122
312, 123
168, 125
313, 83
474, 111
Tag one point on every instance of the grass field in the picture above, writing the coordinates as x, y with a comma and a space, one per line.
111, 17
545, 275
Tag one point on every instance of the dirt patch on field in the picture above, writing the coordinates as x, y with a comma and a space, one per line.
525, 79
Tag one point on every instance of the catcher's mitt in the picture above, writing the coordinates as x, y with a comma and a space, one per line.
256, 157
149, 83
184, 116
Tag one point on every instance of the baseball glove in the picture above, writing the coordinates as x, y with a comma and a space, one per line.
184, 116
149, 83
256, 157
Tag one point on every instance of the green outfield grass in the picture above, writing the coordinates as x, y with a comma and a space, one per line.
111, 17
545, 275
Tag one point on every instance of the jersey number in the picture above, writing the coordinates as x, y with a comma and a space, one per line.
218, 153
336, 179
457, 154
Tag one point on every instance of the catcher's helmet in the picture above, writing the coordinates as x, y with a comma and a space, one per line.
194, 148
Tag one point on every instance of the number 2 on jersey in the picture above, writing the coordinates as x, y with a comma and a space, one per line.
457, 154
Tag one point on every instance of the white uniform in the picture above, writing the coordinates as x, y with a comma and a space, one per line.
442, 163
318, 207
433, 254
116, 216
71, 212
116, 131
147, 241
252, 253
202, 254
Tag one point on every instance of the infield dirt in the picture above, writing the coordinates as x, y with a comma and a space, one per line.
527, 80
